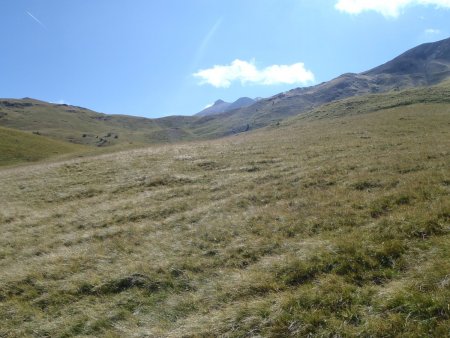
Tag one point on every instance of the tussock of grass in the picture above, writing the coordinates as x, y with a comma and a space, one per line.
304, 229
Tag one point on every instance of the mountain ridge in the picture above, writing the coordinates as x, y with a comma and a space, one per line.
427, 63
424, 65
221, 106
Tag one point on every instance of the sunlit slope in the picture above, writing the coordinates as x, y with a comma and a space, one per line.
438, 95
329, 226
264, 114
84, 126
21, 147
425, 65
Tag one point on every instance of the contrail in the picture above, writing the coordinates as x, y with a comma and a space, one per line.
204, 44
36, 19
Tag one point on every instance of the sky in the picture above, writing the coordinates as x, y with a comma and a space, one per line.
156, 58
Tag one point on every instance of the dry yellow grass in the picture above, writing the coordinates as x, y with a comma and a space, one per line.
331, 227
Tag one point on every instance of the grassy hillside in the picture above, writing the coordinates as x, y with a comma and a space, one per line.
18, 147
276, 109
83, 126
439, 94
322, 226
424, 65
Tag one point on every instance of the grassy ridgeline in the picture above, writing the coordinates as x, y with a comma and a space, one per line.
322, 226
19, 147
83, 126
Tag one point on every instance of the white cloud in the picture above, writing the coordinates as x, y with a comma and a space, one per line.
388, 8
208, 105
246, 72
432, 31
60, 101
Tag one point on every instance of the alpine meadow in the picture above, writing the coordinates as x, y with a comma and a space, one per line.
326, 224
321, 211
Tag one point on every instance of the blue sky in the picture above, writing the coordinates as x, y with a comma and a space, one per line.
173, 57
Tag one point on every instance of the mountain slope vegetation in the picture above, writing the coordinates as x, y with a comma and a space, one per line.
83, 126
333, 223
19, 147
425, 65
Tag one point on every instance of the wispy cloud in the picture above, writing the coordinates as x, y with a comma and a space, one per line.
222, 76
388, 8
205, 42
60, 101
432, 31
36, 19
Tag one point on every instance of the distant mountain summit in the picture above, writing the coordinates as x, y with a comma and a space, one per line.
221, 106
424, 65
